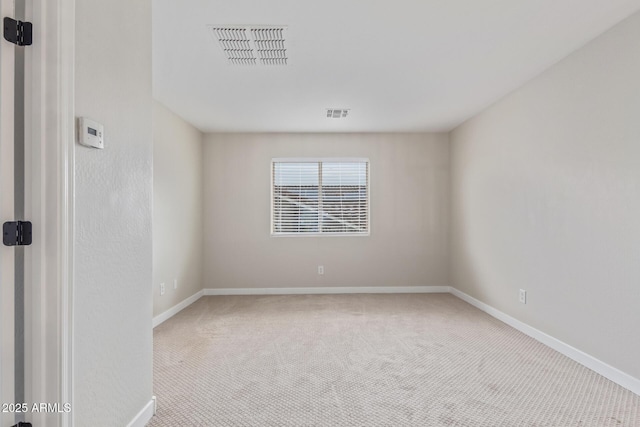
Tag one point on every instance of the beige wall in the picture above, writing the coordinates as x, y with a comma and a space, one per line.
112, 300
409, 213
177, 208
546, 197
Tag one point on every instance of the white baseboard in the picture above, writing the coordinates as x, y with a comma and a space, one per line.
617, 376
144, 416
176, 308
329, 290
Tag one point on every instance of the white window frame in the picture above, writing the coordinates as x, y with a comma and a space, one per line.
320, 160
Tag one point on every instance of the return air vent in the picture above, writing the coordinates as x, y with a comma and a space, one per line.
269, 43
248, 45
337, 113
236, 45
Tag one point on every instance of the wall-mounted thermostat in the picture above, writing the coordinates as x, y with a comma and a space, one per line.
90, 133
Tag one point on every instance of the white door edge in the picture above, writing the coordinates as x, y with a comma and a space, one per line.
7, 258
50, 109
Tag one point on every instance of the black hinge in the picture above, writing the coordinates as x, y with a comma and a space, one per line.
18, 32
16, 233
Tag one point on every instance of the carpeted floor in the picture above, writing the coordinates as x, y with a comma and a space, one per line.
368, 360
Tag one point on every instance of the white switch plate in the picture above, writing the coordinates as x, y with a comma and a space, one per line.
523, 296
321, 269
90, 133
175, 283
161, 288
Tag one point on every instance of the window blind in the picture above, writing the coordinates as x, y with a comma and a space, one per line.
320, 197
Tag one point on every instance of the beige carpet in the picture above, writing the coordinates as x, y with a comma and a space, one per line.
368, 360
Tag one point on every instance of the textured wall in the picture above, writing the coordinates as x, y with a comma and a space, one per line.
409, 213
546, 197
112, 275
177, 208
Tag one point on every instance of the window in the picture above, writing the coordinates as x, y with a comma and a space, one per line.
328, 196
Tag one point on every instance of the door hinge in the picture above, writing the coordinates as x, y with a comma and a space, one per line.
16, 233
18, 32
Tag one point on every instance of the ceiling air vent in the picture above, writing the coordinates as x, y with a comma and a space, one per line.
269, 43
337, 113
249, 45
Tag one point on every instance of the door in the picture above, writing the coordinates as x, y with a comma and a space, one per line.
36, 158
7, 254
12, 360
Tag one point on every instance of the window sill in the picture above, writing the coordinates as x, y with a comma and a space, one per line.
320, 234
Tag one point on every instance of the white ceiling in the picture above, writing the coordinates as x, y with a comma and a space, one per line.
401, 65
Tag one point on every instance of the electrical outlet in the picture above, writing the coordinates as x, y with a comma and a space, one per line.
161, 288
175, 283
321, 270
523, 296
